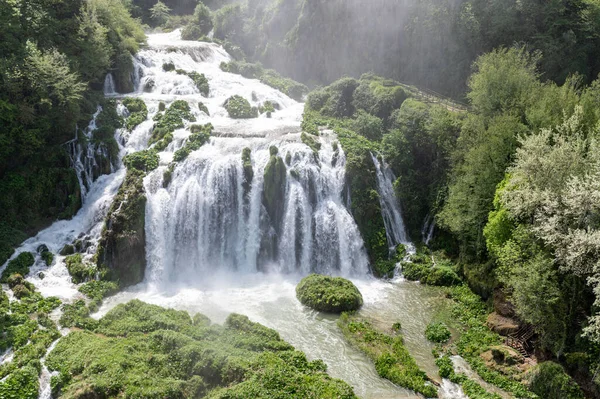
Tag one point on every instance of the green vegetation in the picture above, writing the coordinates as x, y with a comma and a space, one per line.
147, 351
549, 380
437, 332
80, 270
328, 294
287, 86
200, 135
53, 61
275, 178
391, 358
239, 108
202, 107
145, 160
138, 112
199, 80
25, 328
472, 389
200, 25
121, 249
424, 267
19, 265
168, 122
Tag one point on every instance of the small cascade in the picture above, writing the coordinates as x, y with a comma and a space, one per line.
109, 87
89, 159
427, 229
390, 207
46, 376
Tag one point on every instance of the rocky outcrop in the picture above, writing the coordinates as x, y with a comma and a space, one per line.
121, 249
274, 189
502, 325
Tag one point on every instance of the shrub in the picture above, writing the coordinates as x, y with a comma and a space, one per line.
549, 381
368, 126
310, 141
138, 112
441, 276
146, 160
20, 265
168, 122
328, 294
437, 332
239, 108
191, 32
79, 270
202, 107
168, 67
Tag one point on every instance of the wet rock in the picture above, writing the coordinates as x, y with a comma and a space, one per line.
274, 189
42, 248
68, 249
121, 248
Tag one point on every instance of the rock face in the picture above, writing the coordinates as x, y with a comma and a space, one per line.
274, 189
501, 324
122, 246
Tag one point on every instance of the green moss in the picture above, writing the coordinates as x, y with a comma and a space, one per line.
79, 270
267, 108
248, 170
142, 350
47, 257
274, 186
200, 135
138, 112
310, 141
239, 108
19, 265
202, 107
437, 332
168, 67
121, 248
392, 359
328, 294
146, 160
167, 123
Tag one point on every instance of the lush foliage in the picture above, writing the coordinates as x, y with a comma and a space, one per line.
147, 351
19, 265
328, 294
239, 108
138, 112
168, 122
437, 332
391, 358
549, 380
200, 134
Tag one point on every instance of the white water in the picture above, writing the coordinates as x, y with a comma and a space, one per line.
390, 207
109, 85
204, 237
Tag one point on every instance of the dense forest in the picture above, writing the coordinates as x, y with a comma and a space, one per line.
504, 166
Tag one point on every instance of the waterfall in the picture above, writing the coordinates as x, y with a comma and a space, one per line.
427, 229
390, 207
109, 85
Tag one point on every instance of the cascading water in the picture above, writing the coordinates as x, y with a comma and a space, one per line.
209, 237
109, 87
428, 229
390, 207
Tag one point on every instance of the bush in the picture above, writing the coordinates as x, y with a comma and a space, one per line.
239, 108
168, 67
79, 270
138, 112
369, 126
549, 381
191, 32
20, 265
437, 332
146, 160
328, 294
441, 276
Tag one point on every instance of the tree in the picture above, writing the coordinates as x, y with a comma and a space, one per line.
159, 13
203, 18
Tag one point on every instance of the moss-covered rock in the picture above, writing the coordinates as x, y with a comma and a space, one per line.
328, 294
19, 265
123, 71
275, 177
121, 248
311, 141
79, 269
392, 359
138, 112
239, 108
146, 160
200, 135
248, 170
147, 351
167, 123
202, 107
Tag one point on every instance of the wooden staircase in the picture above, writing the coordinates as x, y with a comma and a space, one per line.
521, 340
